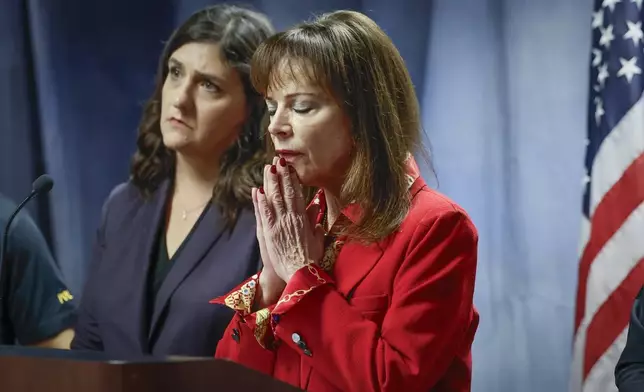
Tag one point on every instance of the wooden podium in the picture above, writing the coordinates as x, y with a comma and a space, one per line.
46, 370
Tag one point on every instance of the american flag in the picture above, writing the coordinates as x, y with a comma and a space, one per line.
611, 265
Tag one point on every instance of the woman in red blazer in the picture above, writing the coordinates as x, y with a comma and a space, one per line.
371, 287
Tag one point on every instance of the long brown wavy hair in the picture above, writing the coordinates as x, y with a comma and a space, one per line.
239, 32
348, 55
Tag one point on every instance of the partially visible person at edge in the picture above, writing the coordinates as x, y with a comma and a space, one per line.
629, 372
181, 230
41, 310
371, 287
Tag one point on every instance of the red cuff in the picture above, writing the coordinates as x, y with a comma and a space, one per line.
241, 299
304, 281
264, 321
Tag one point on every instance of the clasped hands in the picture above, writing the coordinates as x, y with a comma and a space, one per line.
288, 236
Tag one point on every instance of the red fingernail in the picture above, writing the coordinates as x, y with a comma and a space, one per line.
273, 169
282, 162
291, 169
261, 190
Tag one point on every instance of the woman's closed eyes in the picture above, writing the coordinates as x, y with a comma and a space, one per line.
299, 108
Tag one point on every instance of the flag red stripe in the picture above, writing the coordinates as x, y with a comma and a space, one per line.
618, 203
612, 317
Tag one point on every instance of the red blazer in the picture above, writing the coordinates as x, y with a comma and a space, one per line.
394, 316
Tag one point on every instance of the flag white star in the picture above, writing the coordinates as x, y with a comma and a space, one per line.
585, 180
602, 74
638, 2
599, 111
607, 36
629, 68
634, 32
597, 57
610, 4
598, 19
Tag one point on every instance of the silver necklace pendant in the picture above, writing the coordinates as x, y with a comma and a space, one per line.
185, 213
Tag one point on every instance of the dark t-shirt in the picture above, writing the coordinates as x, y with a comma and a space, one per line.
40, 305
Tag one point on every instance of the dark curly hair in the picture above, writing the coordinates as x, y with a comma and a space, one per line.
239, 32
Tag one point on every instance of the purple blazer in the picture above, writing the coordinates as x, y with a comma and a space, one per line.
112, 314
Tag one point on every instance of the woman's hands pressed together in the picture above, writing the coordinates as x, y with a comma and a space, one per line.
287, 238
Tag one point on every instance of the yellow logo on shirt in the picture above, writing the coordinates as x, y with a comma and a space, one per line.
64, 296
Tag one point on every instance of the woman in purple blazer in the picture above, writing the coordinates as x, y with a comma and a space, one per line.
182, 231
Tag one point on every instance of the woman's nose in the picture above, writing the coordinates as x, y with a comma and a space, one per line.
280, 126
182, 97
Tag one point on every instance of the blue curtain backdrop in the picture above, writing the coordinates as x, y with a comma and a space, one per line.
503, 88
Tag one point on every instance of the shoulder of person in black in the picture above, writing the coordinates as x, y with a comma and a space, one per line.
39, 303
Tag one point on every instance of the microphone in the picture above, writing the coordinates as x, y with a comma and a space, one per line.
42, 185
